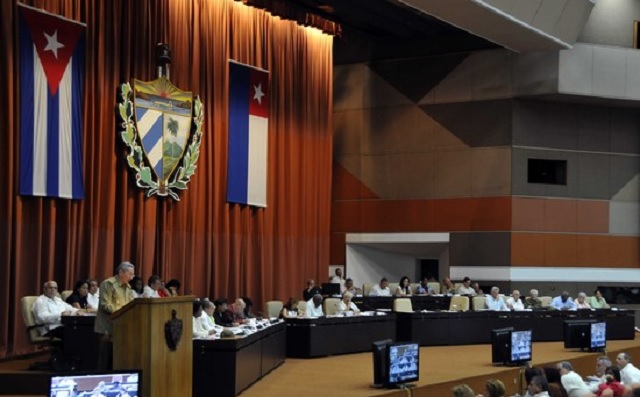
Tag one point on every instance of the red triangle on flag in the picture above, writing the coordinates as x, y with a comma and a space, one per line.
55, 39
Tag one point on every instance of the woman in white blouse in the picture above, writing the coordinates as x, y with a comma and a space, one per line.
403, 288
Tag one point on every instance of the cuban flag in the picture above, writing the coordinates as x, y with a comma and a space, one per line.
51, 91
248, 135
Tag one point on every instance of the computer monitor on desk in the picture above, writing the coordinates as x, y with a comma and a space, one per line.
330, 289
105, 383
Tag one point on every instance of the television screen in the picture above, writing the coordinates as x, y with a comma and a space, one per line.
108, 383
330, 289
379, 350
577, 334
520, 346
403, 361
501, 345
598, 335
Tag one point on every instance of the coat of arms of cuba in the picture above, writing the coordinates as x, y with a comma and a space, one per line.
161, 126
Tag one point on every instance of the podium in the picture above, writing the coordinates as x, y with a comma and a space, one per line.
139, 342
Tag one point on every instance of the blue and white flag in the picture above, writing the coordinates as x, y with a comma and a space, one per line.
51, 92
248, 135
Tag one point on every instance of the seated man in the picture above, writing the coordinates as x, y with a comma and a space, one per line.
237, 311
571, 381
563, 302
48, 310
346, 305
423, 288
494, 301
465, 288
349, 287
221, 315
93, 297
337, 278
628, 372
199, 332
602, 363
381, 289
206, 318
311, 290
151, 289
532, 301
514, 302
314, 307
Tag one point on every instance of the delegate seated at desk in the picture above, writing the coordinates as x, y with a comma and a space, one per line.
403, 288
314, 307
494, 301
310, 291
346, 305
48, 309
597, 301
563, 302
381, 289
199, 332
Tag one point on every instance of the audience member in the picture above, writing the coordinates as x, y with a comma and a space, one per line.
494, 301
221, 315
153, 285
529, 373
173, 286
494, 388
337, 277
581, 301
476, 287
538, 387
465, 288
571, 381
199, 332
403, 288
346, 305
310, 291
628, 372
555, 385
514, 302
290, 309
137, 286
611, 387
314, 307
381, 289
563, 302
78, 297
448, 288
602, 363
532, 301
48, 310
462, 390
93, 297
349, 287
597, 301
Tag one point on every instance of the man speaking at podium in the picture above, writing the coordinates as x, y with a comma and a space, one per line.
115, 292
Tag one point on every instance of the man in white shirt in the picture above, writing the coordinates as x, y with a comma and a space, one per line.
337, 278
494, 301
571, 381
346, 305
602, 363
151, 289
314, 307
93, 297
628, 372
381, 289
514, 302
465, 288
538, 387
563, 302
49, 309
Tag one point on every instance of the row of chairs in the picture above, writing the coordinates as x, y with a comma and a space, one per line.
366, 288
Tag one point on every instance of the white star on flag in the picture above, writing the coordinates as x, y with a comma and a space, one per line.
259, 94
53, 44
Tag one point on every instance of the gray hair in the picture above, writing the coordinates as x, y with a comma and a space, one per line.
347, 293
534, 292
606, 360
566, 365
582, 295
495, 289
124, 266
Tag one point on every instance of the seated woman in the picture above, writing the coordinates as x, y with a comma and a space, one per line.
222, 315
448, 288
199, 332
346, 305
403, 288
78, 298
137, 286
611, 387
248, 307
290, 309
173, 286
597, 301
581, 301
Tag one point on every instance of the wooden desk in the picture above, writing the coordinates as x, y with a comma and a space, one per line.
328, 336
465, 328
226, 367
80, 341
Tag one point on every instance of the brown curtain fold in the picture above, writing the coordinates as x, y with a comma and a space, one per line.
214, 248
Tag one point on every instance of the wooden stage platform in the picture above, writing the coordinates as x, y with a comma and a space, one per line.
351, 375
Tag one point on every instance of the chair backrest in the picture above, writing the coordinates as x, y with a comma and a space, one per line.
273, 308
402, 305
457, 286
478, 302
330, 306
392, 287
546, 301
302, 307
461, 303
366, 288
26, 306
414, 287
435, 286
65, 294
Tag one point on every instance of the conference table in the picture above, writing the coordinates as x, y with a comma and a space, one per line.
474, 327
225, 367
418, 302
326, 336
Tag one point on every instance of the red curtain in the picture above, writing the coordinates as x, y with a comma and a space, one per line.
214, 248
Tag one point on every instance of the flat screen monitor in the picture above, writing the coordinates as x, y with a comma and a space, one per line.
520, 346
598, 335
501, 345
403, 363
105, 383
577, 334
330, 289
379, 351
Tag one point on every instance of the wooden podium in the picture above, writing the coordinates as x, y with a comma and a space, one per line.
139, 343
